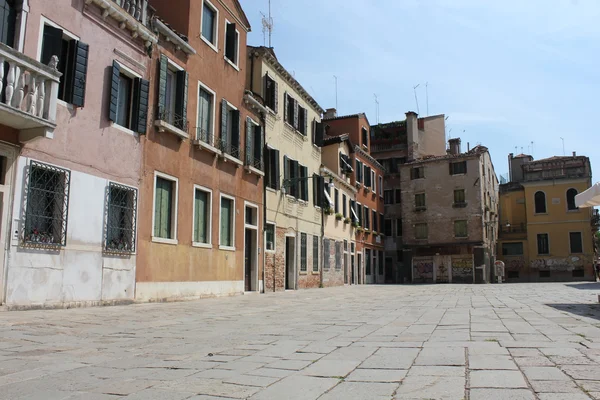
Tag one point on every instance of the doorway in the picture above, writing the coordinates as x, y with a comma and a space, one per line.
369, 275
7, 158
290, 265
251, 248
358, 268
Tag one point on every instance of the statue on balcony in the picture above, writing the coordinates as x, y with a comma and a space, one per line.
53, 63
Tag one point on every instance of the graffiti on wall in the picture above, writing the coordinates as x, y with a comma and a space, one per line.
423, 270
560, 263
514, 263
462, 270
441, 274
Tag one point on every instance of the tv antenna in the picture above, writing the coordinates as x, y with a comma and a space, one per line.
563, 142
267, 23
376, 108
416, 100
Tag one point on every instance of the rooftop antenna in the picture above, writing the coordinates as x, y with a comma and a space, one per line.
427, 97
532, 147
376, 108
416, 100
336, 103
563, 142
267, 23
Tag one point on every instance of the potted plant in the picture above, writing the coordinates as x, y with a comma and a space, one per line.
347, 220
359, 229
354, 224
375, 233
339, 216
328, 211
367, 232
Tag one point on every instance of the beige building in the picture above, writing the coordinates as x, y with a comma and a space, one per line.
339, 265
292, 181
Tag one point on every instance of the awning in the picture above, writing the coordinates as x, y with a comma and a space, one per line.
354, 216
589, 198
347, 166
328, 197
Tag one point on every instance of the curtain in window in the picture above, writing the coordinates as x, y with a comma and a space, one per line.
208, 20
201, 217
204, 113
124, 101
163, 208
226, 222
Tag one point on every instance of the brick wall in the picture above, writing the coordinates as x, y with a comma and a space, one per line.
334, 274
275, 264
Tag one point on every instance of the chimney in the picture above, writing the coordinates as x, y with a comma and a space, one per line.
412, 135
574, 154
330, 113
454, 145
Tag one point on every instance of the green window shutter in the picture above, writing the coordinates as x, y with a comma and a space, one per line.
235, 144
224, 139
321, 190
295, 103
277, 171
140, 105
286, 172
285, 107
114, 92
226, 222
163, 208
249, 141
79, 53
259, 145
315, 188
276, 90
181, 94
296, 174
162, 87
200, 217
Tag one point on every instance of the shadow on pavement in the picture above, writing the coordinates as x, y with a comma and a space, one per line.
584, 310
585, 286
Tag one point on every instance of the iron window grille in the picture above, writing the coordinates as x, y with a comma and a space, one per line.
47, 205
228, 148
121, 216
203, 135
178, 121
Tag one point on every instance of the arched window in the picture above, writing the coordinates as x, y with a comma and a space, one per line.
571, 193
540, 202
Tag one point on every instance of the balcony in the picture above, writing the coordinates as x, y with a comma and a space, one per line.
254, 165
206, 141
517, 231
229, 152
29, 92
171, 122
382, 146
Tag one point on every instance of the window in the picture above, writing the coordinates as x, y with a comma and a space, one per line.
460, 229
165, 207
120, 218
290, 110
202, 215
367, 225
232, 42
368, 261
47, 205
354, 212
303, 252
254, 144
128, 99
326, 254
398, 195
421, 231
336, 201
270, 236
206, 104
380, 258
420, 201
540, 202
359, 211
380, 186
345, 164
271, 93
459, 196
399, 227
387, 227
172, 94
318, 190
544, 274
72, 61
303, 183
315, 254
375, 227
230, 130
571, 193
542, 243
417, 173
338, 255
272, 169
359, 171
227, 231
388, 197
8, 19
365, 137
344, 206
302, 120
576, 243
367, 176
457, 168
512, 249
374, 181
210, 18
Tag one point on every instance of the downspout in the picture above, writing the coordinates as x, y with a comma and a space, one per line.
322, 251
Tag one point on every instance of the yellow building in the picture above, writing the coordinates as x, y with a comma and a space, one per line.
543, 235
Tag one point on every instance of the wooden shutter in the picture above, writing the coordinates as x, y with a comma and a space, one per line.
285, 107
286, 172
75, 89
305, 183
296, 115
51, 44
235, 134
114, 92
305, 121
224, 139
162, 87
319, 133
321, 190
139, 118
181, 94
230, 42
259, 145
277, 173
276, 100
249, 141
296, 169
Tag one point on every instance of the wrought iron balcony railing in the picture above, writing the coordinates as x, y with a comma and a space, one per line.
254, 162
174, 119
203, 135
227, 147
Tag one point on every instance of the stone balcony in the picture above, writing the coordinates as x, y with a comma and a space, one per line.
28, 93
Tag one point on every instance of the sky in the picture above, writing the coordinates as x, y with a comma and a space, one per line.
506, 73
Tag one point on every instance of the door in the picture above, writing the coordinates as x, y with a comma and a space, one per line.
290, 256
389, 270
369, 267
358, 269
248, 261
353, 277
7, 159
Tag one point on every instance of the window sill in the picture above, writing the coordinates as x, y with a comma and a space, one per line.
165, 126
164, 241
271, 190
231, 63
535, 214
302, 273
207, 147
123, 129
226, 248
574, 211
212, 46
202, 245
462, 174
271, 251
252, 170
315, 272
229, 157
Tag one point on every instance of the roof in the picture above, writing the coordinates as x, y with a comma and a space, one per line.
357, 115
268, 55
475, 151
329, 140
243, 16
558, 158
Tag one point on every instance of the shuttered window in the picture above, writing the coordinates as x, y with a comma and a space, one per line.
129, 97
202, 215
271, 93
326, 255
172, 94
421, 231
165, 196
204, 131
303, 252
226, 236
315, 253
460, 229
209, 22
232, 41
272, 166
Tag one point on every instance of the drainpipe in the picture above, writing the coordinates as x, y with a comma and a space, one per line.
322, 240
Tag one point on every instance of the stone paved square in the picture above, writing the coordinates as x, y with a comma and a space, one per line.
508, 341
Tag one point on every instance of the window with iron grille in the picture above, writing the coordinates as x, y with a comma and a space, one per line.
121, 215
303, 252
315, 253
542, 243
326, 254
46, 211
338, 255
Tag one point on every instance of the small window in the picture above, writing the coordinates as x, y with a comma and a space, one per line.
544, 274
365, 137
315, 254
290, 112
210, 17
232, 42
388, 197
338, 255
417, 173
460, 229
380, 186
165, 207
129, 97
230, 130
398, 196
421, 231
206, 104
303, 252
202, 215
270, 236
578, 273
571, 193
459, 197
254, 144
542, 243
457, 168
272, 175
121, 218
387, 228
326, 254
302, 120
512, 249
271, 92
576, 243
399, 227
420, 201
47, 205
540, 202
227, 231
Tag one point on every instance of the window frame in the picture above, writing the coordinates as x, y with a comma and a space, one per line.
424, 205
233, 230
535, 209
373, 181
381, 186
210, 216
235, 64
426, 231
391, 192
464, 195
211, 133
135, 193
174, 212
132, 75
214, 46
571, 243
466, 222
454, 164
274, 249
537, 237
569, 209
173, 68
421, 173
